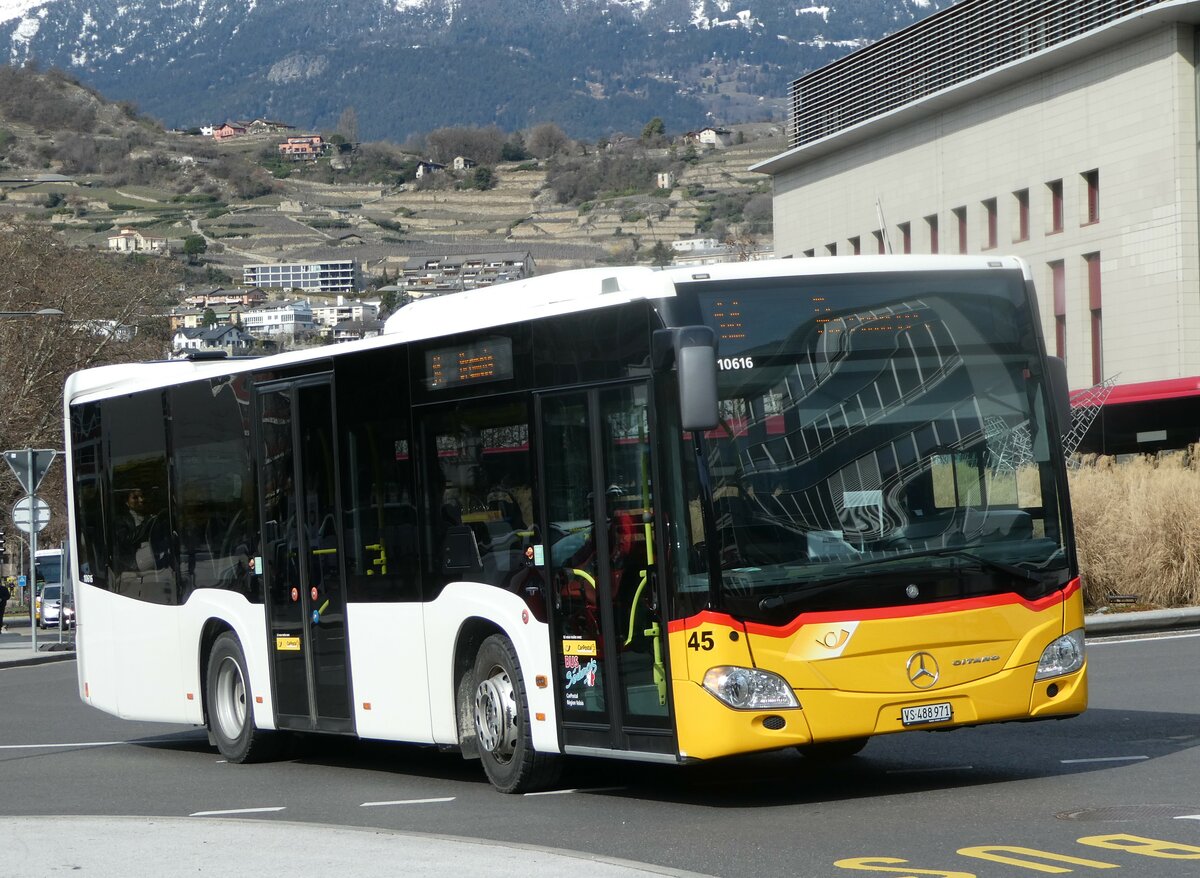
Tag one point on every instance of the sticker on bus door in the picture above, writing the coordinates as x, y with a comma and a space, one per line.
284, 643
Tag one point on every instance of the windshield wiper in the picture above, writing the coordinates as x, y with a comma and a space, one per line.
962, 551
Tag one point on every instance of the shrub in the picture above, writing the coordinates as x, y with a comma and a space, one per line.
1138, 528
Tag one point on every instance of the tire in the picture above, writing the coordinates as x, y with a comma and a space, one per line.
502, 727
229, 703
833, 751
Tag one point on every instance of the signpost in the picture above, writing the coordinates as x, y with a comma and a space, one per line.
29, 465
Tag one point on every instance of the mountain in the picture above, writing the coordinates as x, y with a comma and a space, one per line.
409, 66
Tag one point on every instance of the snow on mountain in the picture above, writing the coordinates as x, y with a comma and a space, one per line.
594, 66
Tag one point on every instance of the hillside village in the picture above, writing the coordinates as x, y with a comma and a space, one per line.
284, 244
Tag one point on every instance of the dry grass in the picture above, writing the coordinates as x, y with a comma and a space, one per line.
1138, 529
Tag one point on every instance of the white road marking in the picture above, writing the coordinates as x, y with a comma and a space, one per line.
1188, 817
934, 768
1105, 641
49, 746
1104, 759
587, 790
407, 802
238, 811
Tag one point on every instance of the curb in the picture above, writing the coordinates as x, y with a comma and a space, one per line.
1142, 622
28, 658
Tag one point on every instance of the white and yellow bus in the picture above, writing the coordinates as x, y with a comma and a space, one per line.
652, 515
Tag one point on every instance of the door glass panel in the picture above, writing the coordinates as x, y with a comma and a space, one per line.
627, 472
324, 600
574, 556
281, 552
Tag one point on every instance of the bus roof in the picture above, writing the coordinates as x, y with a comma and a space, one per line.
541, 296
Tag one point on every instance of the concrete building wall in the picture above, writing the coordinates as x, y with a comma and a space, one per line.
1127, 111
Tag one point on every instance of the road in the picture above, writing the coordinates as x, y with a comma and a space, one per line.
1080, 791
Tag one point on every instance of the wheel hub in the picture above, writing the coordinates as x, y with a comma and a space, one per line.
230, 707
496, 715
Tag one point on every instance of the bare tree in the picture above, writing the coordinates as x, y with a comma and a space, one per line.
113, 308
347, 125
548, 139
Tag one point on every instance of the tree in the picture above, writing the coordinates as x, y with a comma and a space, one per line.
483, 178
112, 305
347, 125
209, 318
660, 254
548, 139
194, 246
655, 132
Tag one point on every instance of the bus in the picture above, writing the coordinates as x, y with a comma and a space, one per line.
659, 515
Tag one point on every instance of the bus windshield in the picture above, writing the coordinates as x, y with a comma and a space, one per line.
883, 440
49, 568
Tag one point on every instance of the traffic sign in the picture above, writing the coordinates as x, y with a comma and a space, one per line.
30, 513
21, 581
20, 461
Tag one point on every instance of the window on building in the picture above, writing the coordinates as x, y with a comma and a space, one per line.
1058, 283
1092, 264
831, 249
879, 246
931, 223
991, 217
1021, 197
960, 217
1056, 205
905, 237
809, 254
856, 246
1091, 182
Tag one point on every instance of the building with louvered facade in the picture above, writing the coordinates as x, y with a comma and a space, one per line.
1061, 131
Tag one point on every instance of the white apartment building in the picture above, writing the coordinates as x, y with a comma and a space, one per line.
329, 316
329, 276
1062, 131
279, 318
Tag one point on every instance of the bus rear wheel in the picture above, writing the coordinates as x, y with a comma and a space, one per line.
502, 728
229, 701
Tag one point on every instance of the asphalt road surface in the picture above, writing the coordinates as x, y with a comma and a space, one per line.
1116, 790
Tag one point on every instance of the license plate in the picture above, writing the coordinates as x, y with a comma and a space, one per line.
926, 713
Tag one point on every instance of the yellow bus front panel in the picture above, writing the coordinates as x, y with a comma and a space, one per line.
870, 672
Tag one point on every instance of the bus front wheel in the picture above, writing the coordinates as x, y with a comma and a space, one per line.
502, 728
229, 701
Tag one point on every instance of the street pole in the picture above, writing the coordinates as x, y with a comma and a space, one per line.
32, 556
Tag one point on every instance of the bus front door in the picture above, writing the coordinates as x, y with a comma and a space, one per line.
305, 592
609, 638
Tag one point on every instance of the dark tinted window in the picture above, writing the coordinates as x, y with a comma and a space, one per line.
87, 462
213, 482
379, 511
141, 562
594, 346
479, 477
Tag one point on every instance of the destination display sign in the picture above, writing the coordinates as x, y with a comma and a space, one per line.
489, 359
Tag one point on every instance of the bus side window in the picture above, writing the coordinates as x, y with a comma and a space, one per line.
379, 512
479, 474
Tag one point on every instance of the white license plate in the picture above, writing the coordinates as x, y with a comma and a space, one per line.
926, 713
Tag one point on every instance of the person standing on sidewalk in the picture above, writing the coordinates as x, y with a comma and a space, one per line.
4, 596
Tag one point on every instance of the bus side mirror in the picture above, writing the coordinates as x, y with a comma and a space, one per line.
1056, 372
694, 352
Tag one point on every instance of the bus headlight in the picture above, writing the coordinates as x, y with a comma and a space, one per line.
749, 688
1064, 655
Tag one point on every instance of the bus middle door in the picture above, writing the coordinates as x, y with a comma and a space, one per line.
305, 592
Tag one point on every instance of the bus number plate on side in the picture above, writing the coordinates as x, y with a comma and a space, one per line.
926, 713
